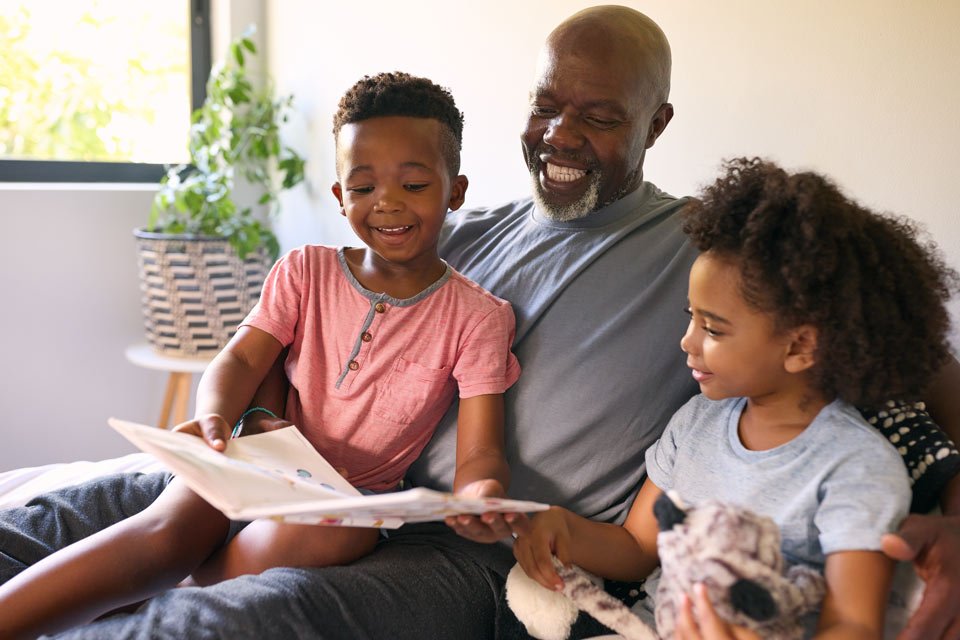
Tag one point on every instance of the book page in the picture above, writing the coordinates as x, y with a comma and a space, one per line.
255, 472
280, 475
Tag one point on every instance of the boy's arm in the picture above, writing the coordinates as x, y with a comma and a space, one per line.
229, 382
858, 584
482, 469
270, 395
627, 552
480, 455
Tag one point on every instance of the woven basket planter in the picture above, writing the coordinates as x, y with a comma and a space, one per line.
196, 290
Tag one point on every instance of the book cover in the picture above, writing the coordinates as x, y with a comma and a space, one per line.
280, 475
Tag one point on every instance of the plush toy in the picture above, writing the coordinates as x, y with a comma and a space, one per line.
732, 551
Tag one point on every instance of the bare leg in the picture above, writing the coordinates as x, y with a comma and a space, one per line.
127, 562
265, 544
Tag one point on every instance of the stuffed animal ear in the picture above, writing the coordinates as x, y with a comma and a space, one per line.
753, 600
667, 512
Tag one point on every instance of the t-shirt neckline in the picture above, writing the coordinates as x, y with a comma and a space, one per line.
374, 296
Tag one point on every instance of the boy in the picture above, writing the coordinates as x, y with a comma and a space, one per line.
379, 339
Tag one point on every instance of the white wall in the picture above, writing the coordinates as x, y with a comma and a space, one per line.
68, 277
861, 89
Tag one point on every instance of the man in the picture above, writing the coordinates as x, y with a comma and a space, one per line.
596, 268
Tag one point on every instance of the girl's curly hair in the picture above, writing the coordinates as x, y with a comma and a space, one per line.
400, 94
874, 289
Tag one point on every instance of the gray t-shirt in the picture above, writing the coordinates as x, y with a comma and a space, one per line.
837, 486
599, 305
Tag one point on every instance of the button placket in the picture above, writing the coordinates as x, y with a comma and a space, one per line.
363, 341
366, 337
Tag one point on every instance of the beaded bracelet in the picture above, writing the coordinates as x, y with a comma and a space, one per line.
238, 428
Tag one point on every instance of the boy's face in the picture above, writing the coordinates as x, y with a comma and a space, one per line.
395, 187
733, 349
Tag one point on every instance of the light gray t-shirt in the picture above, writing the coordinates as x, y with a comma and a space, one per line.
599, 305
837, 486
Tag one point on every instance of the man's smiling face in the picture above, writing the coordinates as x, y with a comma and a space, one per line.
588, 126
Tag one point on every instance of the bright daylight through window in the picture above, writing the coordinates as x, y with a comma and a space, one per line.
94, 81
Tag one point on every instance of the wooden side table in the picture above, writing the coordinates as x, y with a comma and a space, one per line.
177, 394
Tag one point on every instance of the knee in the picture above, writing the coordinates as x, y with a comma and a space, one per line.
309, 546
187, 535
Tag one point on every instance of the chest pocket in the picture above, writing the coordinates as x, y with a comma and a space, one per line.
412, 389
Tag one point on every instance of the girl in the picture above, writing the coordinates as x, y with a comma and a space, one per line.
802, 305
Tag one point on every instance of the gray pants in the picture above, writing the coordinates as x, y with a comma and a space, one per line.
421, 582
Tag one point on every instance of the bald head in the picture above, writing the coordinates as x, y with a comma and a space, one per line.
598, 102
609, 31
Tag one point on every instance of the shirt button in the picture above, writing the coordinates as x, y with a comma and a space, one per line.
379, 307
354, 365
366, 336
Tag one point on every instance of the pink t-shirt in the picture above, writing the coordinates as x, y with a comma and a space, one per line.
370, 375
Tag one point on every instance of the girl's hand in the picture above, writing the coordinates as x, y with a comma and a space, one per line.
705, 624
488, 527
211, 427
546, 535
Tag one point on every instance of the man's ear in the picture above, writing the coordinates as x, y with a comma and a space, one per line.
458, 192
802, 349
338, 194
661, 118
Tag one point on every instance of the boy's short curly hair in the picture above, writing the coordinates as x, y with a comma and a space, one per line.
401, 94
875, 291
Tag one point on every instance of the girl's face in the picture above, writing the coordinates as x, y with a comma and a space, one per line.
395, 187
732, 349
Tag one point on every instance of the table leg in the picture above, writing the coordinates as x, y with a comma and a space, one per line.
183, 396
168, 396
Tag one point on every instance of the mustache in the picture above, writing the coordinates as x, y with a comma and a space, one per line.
590, 163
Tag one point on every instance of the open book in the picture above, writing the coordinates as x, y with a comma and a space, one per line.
280, 475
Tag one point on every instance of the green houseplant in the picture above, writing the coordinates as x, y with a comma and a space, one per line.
204, 254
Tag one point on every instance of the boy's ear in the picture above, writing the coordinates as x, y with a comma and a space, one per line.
338, 194
802, 349
458, 192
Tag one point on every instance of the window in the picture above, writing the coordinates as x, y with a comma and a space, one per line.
99, 90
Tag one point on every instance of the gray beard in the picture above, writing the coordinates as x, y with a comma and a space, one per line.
580, 208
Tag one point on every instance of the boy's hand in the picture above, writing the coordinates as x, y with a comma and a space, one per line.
544, 536
488, 527
259, 422
698, 621
212, 428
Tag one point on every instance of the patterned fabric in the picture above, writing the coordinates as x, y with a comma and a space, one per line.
931, 457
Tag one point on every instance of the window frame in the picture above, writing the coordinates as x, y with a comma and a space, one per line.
92, 172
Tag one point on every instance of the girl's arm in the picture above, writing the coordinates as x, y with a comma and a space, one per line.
858, 584
627, 552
